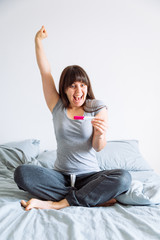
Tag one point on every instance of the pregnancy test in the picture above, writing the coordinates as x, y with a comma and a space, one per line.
83, 117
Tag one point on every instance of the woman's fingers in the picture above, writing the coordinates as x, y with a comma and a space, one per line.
100, 125
43, 30
101, 131
42, 33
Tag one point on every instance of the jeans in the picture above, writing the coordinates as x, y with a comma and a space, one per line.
90, 189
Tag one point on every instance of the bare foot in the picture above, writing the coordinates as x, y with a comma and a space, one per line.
107, 204
39, 204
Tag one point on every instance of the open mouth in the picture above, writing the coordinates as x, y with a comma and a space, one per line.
77, 98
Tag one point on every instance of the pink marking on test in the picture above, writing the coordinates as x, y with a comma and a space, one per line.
79, 117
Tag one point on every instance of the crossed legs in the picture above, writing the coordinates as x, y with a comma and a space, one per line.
54, 191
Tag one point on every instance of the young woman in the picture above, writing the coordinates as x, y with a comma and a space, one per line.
76, 179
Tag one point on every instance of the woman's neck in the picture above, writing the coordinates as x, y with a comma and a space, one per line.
75, 111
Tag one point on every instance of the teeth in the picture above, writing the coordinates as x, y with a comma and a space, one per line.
77, 98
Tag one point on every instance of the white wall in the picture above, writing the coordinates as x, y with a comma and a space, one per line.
117, 42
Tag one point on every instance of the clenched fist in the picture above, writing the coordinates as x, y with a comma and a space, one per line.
41, 34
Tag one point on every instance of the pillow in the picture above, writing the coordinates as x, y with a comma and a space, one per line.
29, 146
47, 158
123, 154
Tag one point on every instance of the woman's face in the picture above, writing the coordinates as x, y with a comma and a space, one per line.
76, 94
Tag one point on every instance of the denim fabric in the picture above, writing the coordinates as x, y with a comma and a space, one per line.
90, 189
97, 188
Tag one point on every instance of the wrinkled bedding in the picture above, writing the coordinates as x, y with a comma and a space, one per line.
142, 193
136, 215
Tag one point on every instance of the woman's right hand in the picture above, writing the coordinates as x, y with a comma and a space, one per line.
41, 34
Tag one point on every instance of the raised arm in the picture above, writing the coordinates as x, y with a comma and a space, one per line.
50, 93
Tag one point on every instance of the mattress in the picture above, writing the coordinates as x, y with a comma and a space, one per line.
120, 221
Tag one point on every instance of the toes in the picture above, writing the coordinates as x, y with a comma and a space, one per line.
26, 205
31, 204
23, 203
28, 208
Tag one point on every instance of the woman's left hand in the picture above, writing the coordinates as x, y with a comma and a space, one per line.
100, 126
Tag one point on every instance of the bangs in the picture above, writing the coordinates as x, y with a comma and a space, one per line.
75, 74
70, 75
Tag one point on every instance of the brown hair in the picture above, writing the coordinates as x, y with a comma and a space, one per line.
70, 75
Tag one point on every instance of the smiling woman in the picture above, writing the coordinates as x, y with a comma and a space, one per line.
76, 94
75, 78
77, 142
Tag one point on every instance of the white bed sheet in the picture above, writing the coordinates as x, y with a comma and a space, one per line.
122, 222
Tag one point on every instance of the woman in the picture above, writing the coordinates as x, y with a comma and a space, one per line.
76, 179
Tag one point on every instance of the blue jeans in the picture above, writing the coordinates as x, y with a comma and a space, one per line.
90, 189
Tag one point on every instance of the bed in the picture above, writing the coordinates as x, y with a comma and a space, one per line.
136, 215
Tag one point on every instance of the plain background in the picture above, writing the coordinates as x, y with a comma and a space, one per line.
118, 44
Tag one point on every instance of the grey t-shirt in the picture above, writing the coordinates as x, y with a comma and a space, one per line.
75, 154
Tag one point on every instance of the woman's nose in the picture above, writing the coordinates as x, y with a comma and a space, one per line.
78, 89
